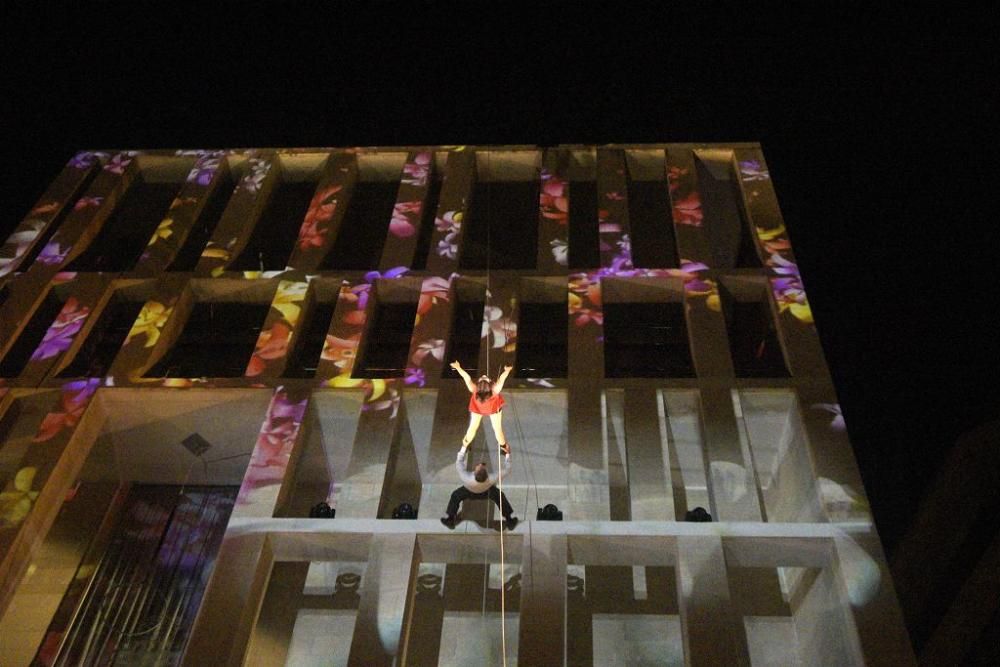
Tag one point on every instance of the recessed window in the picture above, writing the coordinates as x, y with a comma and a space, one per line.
501, 221
217, 341
428, 214
646, 340
584, 238
53, 226
31, 337
125, 233
201, 231
650, 222
94, 357
753, 338
364, 227
733, 245
270, 244
466, 333
386, 347
542, 334
311, 338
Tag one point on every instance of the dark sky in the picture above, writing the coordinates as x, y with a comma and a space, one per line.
875, 125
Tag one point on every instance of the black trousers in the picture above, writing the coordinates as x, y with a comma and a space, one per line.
461, 494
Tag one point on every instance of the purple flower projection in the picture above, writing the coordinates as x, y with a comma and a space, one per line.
53, 253
85, 159
451, 224
204, 169
64, 328
274, 445
752, 170
120, 162
256, 173
86, 202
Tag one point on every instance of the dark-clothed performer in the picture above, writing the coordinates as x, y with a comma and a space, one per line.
479, 484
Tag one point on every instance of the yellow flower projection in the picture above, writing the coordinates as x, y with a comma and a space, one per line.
152, 318
15, 504
163, 231
288, 300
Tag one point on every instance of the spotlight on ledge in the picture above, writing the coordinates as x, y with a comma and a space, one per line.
322, 511
404, 511
698, 514
549, 513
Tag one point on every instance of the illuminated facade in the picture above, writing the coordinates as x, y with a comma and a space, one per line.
198, 346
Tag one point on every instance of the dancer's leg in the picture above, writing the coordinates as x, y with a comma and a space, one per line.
457, 496
501, 501
470, 433
496, 421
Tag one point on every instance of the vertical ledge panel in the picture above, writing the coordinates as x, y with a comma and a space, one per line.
221, 631
411, 200
431, 331
733, 484
323, 218
553, 216
612, 210
336, 362
498, 345
278, 334
447, 239
157, 326
56, 457
796, 329
386, 593
363, 491
50, 206
712, 629
89, 294
542, 619
649, 482
685, 202
207, 174
588, 478
761, 204
241, 214
265, 484
706, 327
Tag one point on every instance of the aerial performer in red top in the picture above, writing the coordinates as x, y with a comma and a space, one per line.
485, 400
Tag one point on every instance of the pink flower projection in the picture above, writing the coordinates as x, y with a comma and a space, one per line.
271, 344
120, 162
753, 170
315, 227
687, 211
416, 171
274, 444
553, 199
63, 329
341, 351
73, 402
405, 218
585, 304
86, 202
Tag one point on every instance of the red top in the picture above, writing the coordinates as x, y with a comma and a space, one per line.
490, 406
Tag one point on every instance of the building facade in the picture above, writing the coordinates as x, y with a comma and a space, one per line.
197, 347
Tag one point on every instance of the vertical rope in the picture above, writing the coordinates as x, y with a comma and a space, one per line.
503, 570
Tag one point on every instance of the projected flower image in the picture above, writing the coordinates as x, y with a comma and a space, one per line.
64, 328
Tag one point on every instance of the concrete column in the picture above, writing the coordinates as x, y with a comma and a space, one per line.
648, 477
712, 630
385, 597
542, 633
732, 483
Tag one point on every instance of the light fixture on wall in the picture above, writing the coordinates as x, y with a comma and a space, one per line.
404, 511
322, 511
698, 515
549, 513
196, 444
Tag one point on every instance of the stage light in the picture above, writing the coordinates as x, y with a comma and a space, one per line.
322, 511
549, 513
698, 514
404, 511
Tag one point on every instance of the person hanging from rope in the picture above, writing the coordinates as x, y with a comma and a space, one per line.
479, 483
485, 400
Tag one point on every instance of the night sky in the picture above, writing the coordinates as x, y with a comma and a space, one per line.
875, 126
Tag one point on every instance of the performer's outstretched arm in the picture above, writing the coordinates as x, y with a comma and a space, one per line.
465, 376
498, 387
